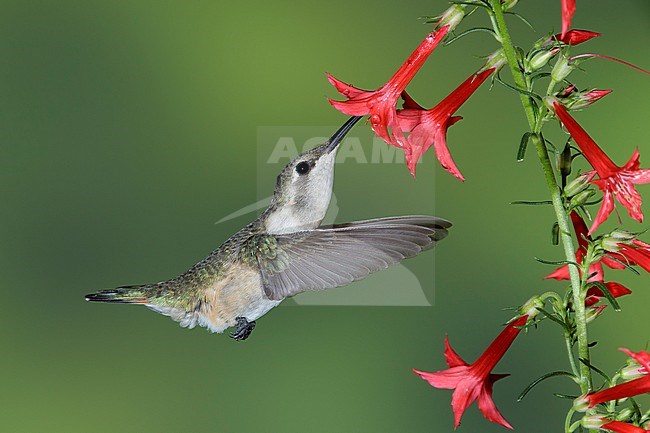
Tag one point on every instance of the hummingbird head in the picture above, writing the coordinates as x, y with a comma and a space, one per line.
304, 187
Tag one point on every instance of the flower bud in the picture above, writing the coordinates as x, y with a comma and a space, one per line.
593, 312
452, 16
509, 4
540, 59
585, 99
592, 422
580, 198
611, 242
531, 307
624, 414
577, 185
561, 69
567, 91
632, 371
581, 404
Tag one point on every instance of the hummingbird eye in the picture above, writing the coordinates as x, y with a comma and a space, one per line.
303, 167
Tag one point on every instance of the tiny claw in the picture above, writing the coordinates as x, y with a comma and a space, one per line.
243, 329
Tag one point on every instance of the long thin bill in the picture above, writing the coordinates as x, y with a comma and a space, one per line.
343, 130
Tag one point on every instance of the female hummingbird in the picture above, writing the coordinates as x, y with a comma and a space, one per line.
283, 252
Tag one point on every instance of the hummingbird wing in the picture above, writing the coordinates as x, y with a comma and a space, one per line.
334, 256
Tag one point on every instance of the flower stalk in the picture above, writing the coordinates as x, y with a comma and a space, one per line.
578, 292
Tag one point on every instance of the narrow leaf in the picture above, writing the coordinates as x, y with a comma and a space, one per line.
532, 203
523, 144
603, 288
555, 234
542, 378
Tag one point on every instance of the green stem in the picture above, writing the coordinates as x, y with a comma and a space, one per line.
569, 351
556, 197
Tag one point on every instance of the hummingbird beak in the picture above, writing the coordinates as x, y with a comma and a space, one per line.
338, 136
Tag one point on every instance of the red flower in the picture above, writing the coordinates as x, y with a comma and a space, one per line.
614, 181
625, 389
429, 127
637, 253
474, 381
576, 36
380, 104
568, 9
622, 427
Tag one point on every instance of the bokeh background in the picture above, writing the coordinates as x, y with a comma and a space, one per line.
127, 128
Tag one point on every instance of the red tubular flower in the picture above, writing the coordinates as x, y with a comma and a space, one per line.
475, 381
614, 181
622, 427
637, 253
429, 127
576, 36
594, 294
625, 389
568, 9
380, 104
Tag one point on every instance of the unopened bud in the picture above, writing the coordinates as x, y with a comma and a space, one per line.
452, 16
580, 198
540, 59
577, 185
567, 91
581, 100
594, 311
592, 422
611, 241
632, 371
624, 414
509, 4
561, 69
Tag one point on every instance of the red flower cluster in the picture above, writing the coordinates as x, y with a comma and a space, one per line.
426, 128
622, 390
474, 381
610, 259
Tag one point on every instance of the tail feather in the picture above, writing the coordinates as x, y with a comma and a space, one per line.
121, 295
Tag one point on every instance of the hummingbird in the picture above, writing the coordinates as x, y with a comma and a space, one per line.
284, 252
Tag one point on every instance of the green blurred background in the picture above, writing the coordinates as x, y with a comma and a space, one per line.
129, 127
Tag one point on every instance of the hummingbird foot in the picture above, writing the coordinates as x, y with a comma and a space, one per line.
243, 330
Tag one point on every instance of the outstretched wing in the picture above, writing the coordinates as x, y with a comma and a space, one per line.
338, 255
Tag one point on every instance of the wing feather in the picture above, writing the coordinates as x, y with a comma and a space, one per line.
337, 255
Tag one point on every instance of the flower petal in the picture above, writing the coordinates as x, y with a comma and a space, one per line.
486, 404
444, 379
568, 9
605, 210
452, 358
642, 357
465, 393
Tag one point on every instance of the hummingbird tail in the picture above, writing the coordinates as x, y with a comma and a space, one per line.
122, 295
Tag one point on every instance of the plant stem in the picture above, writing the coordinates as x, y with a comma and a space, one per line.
578, 294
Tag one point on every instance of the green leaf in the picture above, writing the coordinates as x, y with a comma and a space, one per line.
558, 262
603, 288
555, 234
597, 370
523, 144
567, 396
542, 378
467, 32
554, 318
532, 203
